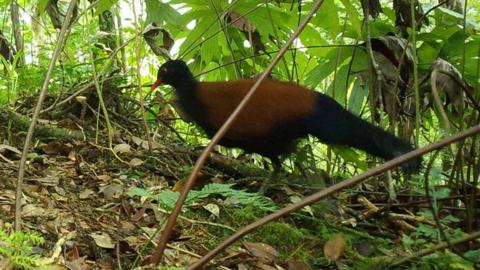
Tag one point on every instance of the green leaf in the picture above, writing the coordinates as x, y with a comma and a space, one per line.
328, 19
441, 193
450, 219
312, 37
194, 39
316, 75
454, 45
42, 4
6, 3
160, 13
349, 155
338, 88
138, 192
357, 97
263, 16
326, 66
103, 5
473, 255
428, 51
354, 16
455, 17
168, 198
210, 47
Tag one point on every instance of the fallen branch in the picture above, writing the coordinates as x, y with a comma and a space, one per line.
22, 122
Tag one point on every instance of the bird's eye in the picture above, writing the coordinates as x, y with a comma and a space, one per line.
162, 71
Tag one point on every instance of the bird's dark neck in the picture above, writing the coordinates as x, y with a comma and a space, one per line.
187, 93
186, 85
186, 90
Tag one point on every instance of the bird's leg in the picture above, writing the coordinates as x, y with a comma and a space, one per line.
277, 168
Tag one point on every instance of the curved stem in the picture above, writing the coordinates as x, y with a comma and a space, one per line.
158, 252
21, 170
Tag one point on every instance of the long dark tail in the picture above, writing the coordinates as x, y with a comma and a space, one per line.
333, 124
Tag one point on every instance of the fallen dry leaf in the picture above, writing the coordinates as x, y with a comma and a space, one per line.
179, 185
103, 240
9, 152
60, 267
167, 40
74, 253
297, 265
213, 209
86, 193
134, 241
31, 210
122, 148
78, 264
143, 143
104, 177
263, 266
135, 162
4, 148
49, 180
335, 247
57, 147
113, 191
262, 251
150, 231
104, 265
307, 208
72, 155
7, 195
140, 142
127, 226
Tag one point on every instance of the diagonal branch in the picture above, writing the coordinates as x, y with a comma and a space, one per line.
333, 189
440, 246
158, 252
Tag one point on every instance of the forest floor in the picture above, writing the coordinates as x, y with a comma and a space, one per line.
99, 208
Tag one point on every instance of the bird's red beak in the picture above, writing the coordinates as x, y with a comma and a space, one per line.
157, 83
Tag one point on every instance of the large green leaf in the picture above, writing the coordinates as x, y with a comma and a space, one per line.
349, 155
311, 37
103, 5
328, 19
449, 16
429, 51
357, 97
354, 17
196, 36
264, 18
339, 85
160, 13
327, 65
42, 4
210, 47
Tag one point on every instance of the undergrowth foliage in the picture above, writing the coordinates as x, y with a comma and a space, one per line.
16, 250
240, 198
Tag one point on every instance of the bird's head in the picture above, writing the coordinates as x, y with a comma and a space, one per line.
172, 72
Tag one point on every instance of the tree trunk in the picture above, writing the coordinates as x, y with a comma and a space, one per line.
17, 32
